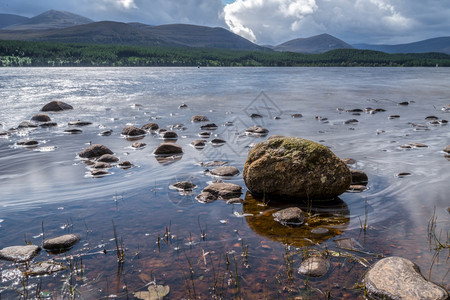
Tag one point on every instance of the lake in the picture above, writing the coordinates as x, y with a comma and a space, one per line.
204, 250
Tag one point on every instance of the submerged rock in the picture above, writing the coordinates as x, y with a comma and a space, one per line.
199, 119
79, 123
198, 143
41, 118
19, 253
217, 142
290, 216
56, 106
225, 171
133, 131
61, 243
44, 268
395, 278
290, 167
96, 150
166, 149
314, 266
184, 186
27, 124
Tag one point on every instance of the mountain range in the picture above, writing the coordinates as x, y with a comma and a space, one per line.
61, 26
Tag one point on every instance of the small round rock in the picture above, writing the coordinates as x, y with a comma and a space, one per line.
63, 242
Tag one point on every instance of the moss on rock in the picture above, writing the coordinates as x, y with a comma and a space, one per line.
295, 168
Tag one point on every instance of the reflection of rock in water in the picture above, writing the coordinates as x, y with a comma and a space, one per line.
323, 221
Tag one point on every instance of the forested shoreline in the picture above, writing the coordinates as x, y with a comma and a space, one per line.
48, 54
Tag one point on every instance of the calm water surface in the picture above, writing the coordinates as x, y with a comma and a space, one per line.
219, 249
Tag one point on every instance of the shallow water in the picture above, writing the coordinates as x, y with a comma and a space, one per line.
47, 188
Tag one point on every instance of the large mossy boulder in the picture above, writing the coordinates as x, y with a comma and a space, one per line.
295, 168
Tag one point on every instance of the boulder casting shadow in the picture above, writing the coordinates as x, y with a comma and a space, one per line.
323, 220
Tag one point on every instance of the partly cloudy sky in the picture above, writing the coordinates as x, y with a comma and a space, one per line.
270, 21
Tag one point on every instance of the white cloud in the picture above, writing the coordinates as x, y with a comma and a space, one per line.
275, 21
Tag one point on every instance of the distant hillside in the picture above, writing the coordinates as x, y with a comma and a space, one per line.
440, 44
108, 32
316, 44
8, 20
51, 19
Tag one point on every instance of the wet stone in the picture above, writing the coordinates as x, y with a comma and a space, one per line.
198, 143
447, 149
351, 121
108, 158
99, 172
184, 185
296, 116
102, 165
394, 117
314, 266
359, 177
205, 134
431, 118
4, 133
73, 131
257, 130
349, 161
404, 103
19, 253
217, 141
27, 124
125, 164
56, 106
181, 106
290, 216
170, 135
206, 197
138, 145
27, 143
133, 131
255, 116
63, 242
105, 133
96, 150
48, 124
198, 118
210, 126
150, 127
166, 149
418, 145
395, 278
79, 123
403, 174
41, 118
226, 171
222, 190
